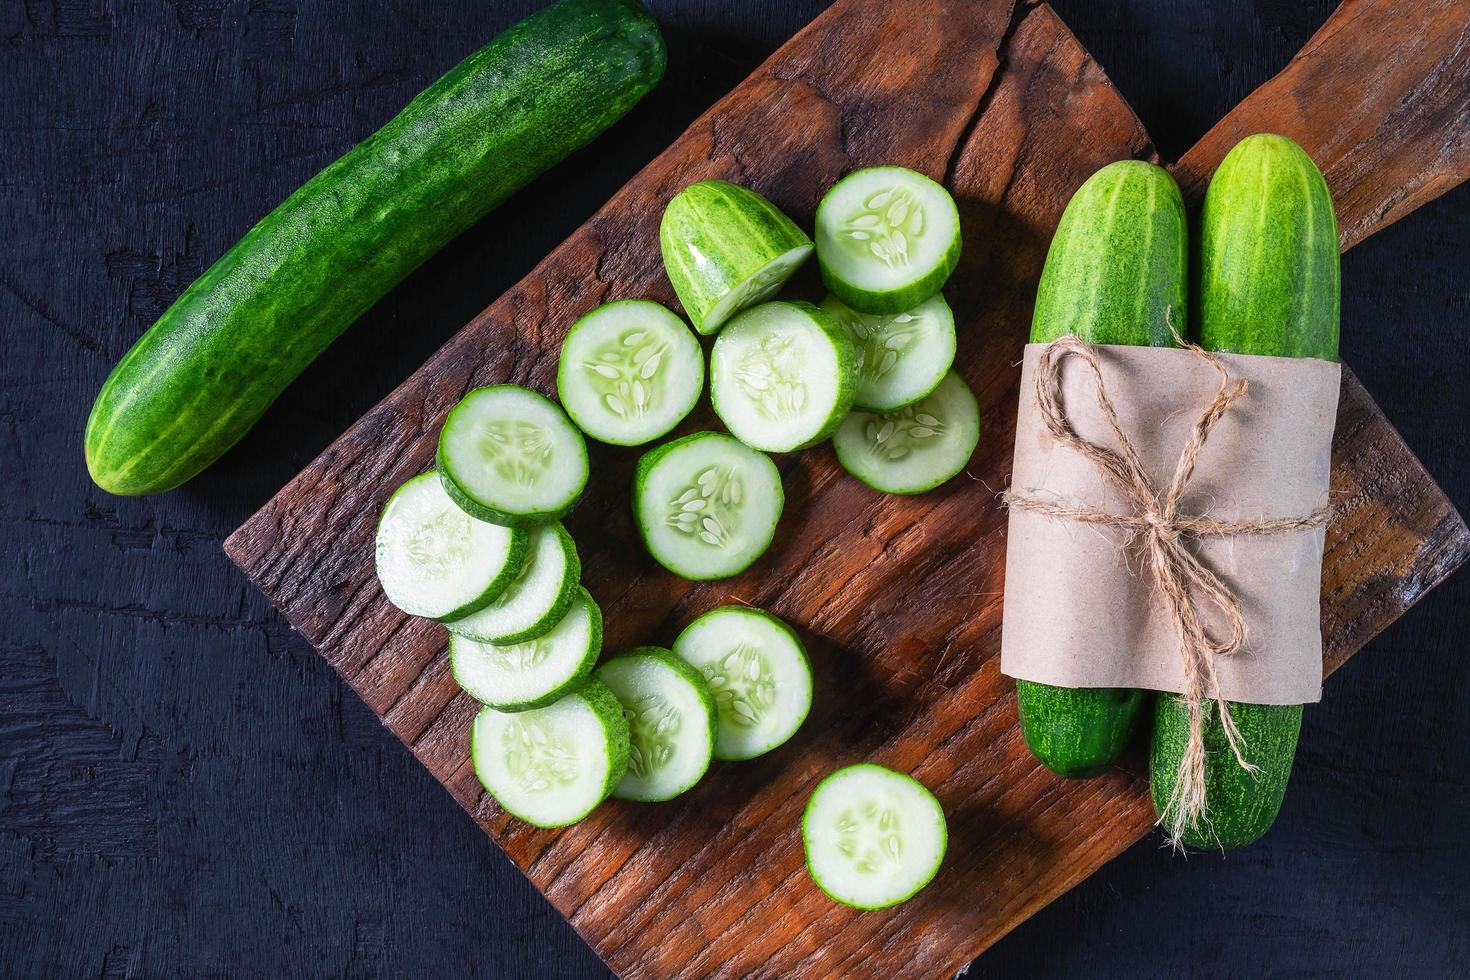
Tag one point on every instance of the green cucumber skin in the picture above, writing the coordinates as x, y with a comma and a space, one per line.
214, 362
1116, 274
1269, 284
714, 235
558, 609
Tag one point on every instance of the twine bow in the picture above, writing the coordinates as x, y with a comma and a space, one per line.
1186, 583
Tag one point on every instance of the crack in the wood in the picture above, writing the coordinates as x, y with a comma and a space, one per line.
1019, 13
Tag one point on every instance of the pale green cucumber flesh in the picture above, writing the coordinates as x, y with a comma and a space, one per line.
671, 722
538, 597
706, 505
531, 673
901, 356
629, 372
782, 376
915, 448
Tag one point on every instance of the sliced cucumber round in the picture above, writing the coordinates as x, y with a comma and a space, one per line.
758, 671
901, 356
629, 372
532, 673
671, 722
510, 456
538, 597
782, 376
706, 505
726, 248
873, 836
552, 766
915, 448
887, 239
434, 560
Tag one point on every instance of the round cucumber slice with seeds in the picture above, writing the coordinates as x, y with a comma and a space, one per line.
887, 239
532, 673
538, 597
434, 560
629, 372
671, 722
552, 766
782, 376
873, 837
510, 456
901, 356
758, 672
706, 505
915, 448
726, 248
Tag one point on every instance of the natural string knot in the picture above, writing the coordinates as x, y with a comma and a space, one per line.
1186, 584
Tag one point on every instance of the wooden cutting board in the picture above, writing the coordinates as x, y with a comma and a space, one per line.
898, 598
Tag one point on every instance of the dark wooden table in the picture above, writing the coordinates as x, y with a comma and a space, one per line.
187, 789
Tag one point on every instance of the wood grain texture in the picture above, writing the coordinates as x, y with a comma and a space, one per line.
899, 599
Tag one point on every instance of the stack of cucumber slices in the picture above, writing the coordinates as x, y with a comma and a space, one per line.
478, 544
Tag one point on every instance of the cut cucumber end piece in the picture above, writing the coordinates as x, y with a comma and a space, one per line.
887, 239
725, 248
758, 672
783, 376
436, 561
536, 599
873, 837
532, 673
509, 455
901, 357
706, 505
629, 372
552, 766
916, 448
671, 722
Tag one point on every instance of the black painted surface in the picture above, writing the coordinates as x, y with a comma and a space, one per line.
186, 789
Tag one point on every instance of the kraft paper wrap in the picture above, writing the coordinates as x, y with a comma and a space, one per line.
1081, 609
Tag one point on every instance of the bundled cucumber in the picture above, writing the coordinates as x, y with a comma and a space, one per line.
1268, 283
1115, 274
726, 248
671, 722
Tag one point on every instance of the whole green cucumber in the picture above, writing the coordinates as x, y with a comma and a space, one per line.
1115, 274
1268, 283
216, 359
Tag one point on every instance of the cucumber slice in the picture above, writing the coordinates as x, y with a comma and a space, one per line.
726, 248
759, 673
538, 597
887, 239
518, 676
901, 356
629, 372
508, 455
706, 505
671, 722
435, 560
916, 448
873, 836
782, 376
552, 766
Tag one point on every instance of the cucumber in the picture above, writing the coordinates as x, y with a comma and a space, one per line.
706, 505
1115, 274
671, 722
901, 356
629, 372
1268, 283
508, 455
552, 766
536, 599
873, 837
915, 448
531, 673
758, 671
214, 362
435, 560
782, 376
726, 248
887, 239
